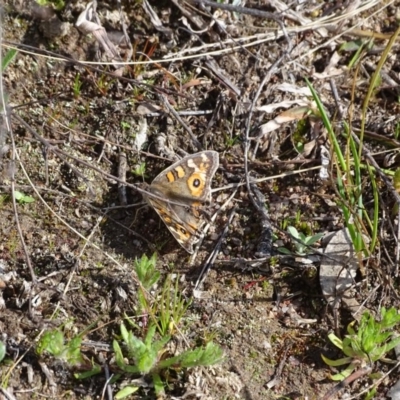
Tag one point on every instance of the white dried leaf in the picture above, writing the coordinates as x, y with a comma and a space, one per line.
84, 22
295, 89
200, 294
121, 293
152, 14
270, 108
287, 116
329, 74
148, 108
86, 25
185, 22
155, 20
141, 136
308, 148
338, 270
325, 161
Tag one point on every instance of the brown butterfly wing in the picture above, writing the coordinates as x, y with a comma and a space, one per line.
179, 192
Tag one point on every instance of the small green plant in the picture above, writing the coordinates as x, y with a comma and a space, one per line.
53, 342
302, 242
300, 134
8, 59
76, 88
350, 181
2, 351
140, 169
148, 357
371, 342
359, 48
167, 310
397, 126
146, 271
57, 4
23, 198
104, 84
125, 125
148, 276
230, 141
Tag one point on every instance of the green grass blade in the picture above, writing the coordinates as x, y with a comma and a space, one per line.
8, 58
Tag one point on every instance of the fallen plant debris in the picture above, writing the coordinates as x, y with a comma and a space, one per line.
299, 101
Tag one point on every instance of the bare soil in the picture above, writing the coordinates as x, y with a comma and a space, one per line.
72, 123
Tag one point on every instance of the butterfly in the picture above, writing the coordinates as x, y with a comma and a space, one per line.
178, 193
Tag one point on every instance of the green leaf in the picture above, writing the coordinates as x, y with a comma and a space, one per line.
284, 250
126, 391
351, 46
52, 342
8, 58
350, 328
57, 4
147, 361
124, 333
2, 350
210, 355
160, 344
336, 363
392, 344
293, 231
310, 240
378, 353
87, 374
22, 198
371, 394
335, 340
140, 170
390, 317
119, 359
150, 334
136, 348
375, 375
146, 270
18, 195
73, 354
158, 385
344, 374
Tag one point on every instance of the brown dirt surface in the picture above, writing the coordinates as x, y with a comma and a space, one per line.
194, 78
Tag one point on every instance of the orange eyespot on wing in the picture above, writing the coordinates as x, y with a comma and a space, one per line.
196, 184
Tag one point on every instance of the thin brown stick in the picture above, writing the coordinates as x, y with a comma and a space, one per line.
355, 375
122, 167
14, 202
211, 259
196, 143
248, 11
267, 77
238, 9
